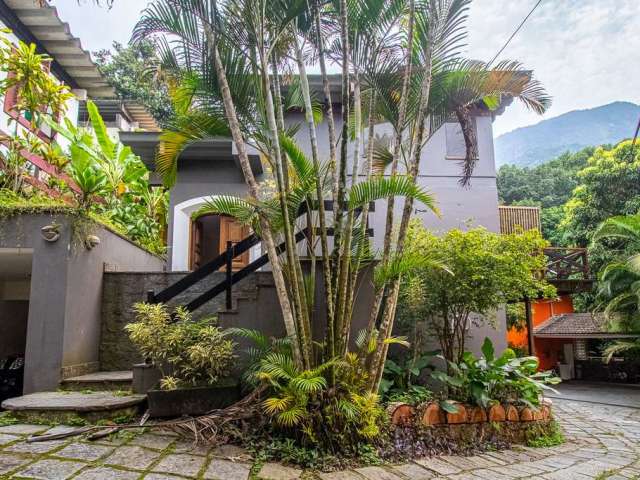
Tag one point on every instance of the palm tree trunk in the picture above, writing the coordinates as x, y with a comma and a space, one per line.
267, 238
297, 284
365, 210
344, 289
324, 244
342, 170
392, 299
397, 145
326, 87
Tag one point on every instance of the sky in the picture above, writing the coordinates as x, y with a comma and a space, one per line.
585, 52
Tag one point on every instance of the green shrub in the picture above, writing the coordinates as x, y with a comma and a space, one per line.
399, 383
490, 379
188, 352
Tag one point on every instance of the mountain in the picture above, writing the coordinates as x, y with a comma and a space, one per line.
572, 131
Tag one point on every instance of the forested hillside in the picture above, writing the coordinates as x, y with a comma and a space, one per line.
570, 132
577, 192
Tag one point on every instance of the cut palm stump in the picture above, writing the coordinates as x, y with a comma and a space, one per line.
459, 417
401, 413
512, 413
497, 413
432, 414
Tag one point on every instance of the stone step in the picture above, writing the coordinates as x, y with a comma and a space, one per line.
65, 407
99, 381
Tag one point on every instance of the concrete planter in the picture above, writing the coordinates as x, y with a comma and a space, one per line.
191, 401
146, 376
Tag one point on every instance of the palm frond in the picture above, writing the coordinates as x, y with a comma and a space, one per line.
624, 227
406, 263
378, 188
243, 210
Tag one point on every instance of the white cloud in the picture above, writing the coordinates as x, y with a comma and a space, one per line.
584, 51
99, 27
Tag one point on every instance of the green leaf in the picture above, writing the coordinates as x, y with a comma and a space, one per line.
100, 129
378, 188
487, 349
449, 406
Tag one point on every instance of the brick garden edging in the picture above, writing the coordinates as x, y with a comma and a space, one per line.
431, 414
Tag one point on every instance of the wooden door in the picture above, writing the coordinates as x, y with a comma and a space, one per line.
196, 245
231, 230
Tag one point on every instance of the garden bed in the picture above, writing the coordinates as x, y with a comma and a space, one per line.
428, 430
432, 414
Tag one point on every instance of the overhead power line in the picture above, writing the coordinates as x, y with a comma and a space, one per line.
515, 32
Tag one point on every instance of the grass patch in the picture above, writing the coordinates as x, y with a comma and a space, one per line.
543, 436
7, 418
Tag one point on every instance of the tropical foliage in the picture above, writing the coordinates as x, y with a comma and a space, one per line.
484, 271
577, 192
618, 293
93, 171
188, 352
548, 186
133, 70
402, 379
491, 379
26, 71
230, 63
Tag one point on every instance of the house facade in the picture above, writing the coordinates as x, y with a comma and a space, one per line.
62, 308
211, 167
51, 286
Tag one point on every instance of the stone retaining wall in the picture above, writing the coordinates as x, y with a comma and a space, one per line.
123, 289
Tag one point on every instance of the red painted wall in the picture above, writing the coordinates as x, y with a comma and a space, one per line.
548, 350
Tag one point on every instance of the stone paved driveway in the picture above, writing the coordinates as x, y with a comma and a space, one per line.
603, 443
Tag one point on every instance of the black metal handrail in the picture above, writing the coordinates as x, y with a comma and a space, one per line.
207, 269
226, 259
234, 277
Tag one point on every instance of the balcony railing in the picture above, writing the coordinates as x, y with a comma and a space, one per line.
567, 264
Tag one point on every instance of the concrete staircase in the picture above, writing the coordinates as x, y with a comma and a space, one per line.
87, 398
100, 381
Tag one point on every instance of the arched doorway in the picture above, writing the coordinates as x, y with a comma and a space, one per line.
209, 236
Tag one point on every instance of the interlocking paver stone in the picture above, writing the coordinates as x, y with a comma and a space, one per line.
275, 471
439, 466
84, 451
35, 448
5, 439
229, 451
156, 442
23, 429
345, 475
227, 470
413, 471
182, 464
103, 473
132, 457
377, 473
11, 462
50, 470
161, 476
192, 448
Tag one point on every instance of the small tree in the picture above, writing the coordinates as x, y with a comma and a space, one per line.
484, 271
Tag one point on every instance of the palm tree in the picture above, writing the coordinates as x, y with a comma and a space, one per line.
619, 283
401, 58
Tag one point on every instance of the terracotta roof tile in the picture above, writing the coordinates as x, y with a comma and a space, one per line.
574, 325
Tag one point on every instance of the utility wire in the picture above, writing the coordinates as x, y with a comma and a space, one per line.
515, 32
635, 137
